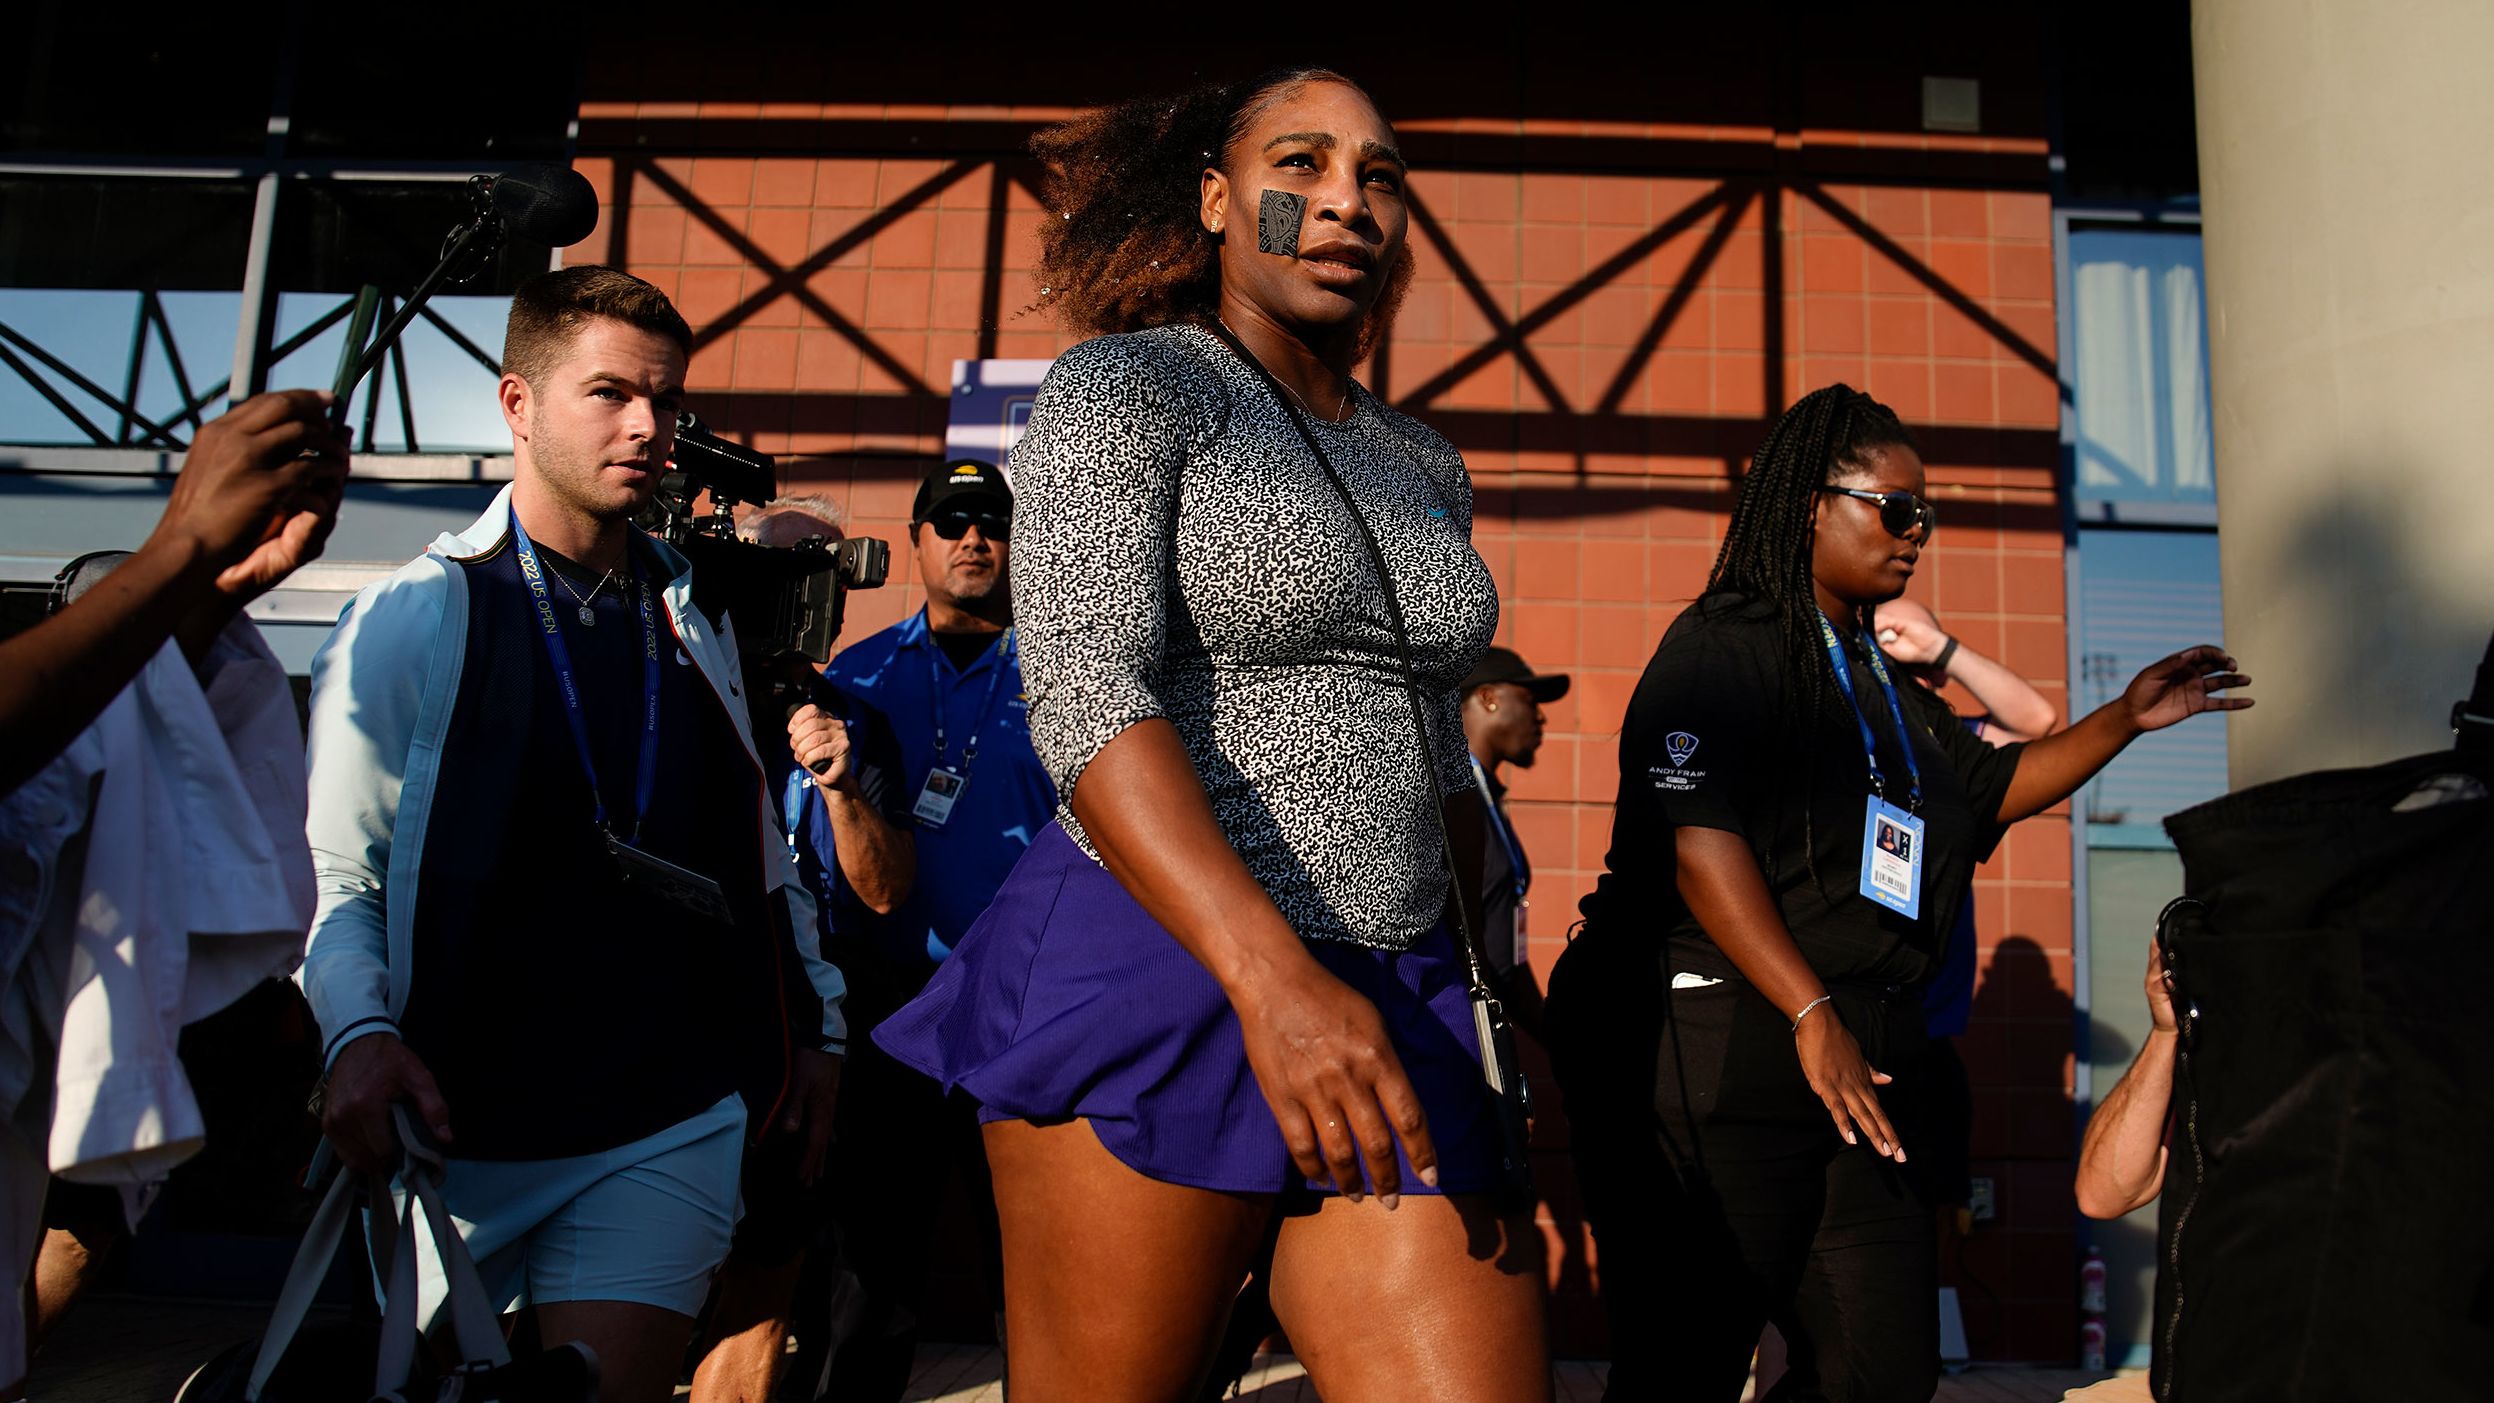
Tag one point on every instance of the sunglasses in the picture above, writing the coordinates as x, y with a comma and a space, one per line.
67, 584
1900, 512
952, 526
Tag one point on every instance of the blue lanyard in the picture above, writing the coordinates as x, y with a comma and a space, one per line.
1498, 825
1896, 711
935, 697
550, 625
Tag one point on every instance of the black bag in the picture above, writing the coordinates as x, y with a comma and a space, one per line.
1500, 1068
2325, 1231
385, 1362
324, 1363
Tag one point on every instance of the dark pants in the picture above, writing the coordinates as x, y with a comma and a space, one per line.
1945, 1153
901, 1142
1721, 1199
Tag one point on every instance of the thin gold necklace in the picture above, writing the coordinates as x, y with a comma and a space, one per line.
1347, 407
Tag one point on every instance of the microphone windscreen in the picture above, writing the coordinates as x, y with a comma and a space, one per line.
545, 204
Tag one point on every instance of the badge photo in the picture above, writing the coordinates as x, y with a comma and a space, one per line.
937, 797
1892, 858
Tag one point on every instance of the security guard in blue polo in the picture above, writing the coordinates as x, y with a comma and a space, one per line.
950, 681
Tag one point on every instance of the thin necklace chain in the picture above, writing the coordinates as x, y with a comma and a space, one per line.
1347, 407
583, 600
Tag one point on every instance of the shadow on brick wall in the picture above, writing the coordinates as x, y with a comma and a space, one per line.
2017, 1276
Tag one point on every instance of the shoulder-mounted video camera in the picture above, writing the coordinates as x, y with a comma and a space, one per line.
786, 601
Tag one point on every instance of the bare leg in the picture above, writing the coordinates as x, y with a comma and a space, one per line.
63, 1266
748, 1331
640, 1348
1116, 1285
62, 1271
1439, 1299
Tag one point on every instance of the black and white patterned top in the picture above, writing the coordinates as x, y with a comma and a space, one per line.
1177, 552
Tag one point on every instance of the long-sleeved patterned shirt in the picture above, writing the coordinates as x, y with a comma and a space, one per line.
1178, 553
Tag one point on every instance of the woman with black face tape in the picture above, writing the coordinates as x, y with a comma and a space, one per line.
1735, 1028
1218, 1005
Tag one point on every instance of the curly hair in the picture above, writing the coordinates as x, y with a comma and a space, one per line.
1767, 546
1126, 248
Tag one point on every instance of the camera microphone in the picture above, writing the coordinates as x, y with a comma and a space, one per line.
545, 204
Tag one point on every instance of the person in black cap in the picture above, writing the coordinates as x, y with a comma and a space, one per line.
974, 795
1502, 725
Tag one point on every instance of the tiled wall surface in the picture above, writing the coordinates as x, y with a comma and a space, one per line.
1605, 343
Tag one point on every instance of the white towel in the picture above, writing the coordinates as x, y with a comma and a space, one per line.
197, 885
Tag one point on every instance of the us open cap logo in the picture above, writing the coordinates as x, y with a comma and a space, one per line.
1680, 745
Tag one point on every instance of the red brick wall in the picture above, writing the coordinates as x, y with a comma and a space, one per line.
1605, 315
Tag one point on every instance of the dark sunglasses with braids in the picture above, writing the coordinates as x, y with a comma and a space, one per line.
1901, 514
1767, 547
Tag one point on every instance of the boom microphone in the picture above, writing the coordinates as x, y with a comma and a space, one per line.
545, 204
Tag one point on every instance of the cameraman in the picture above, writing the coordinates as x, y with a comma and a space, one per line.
855, 843
950, 679
557, 915
848, 828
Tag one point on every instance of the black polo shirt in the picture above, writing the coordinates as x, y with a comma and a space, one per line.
1704, 745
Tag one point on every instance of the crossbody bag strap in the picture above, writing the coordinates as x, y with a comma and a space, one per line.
1476, 966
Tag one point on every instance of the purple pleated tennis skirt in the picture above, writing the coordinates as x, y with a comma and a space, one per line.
1065, 999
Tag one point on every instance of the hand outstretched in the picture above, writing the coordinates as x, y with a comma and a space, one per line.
2183, 685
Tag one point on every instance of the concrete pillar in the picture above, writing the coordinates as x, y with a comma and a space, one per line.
2349, 202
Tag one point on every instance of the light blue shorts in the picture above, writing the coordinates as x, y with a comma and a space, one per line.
646, 1222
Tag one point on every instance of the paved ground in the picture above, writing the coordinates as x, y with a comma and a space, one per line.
128, 1350
969, 1374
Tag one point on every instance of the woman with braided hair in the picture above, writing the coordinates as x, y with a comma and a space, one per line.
1217, 1008
1736, 1027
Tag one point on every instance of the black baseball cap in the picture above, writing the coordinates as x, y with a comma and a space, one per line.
1503, 665
978, 482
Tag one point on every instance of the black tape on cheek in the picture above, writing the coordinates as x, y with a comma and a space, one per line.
1278, 215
